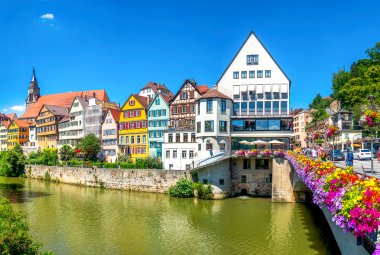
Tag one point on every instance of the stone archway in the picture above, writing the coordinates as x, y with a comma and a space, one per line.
244, 192
301, 192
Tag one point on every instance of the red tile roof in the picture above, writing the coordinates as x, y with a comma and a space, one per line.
63, 100
155, 87
22, 123
115, 114
12, 116
214, 93
203, 89
6, 123
143, 100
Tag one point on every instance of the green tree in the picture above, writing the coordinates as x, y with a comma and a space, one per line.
90, 145
18, 148
66, 153
374, 53
49, 157
15, 236
183, 188
12, 164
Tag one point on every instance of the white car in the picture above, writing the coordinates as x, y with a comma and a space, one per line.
362, 154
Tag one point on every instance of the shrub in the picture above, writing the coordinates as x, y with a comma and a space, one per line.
66, 152
15, 237
124, 158
75, 162
110, 165
204, 191
183, 188
126, 165
90, 146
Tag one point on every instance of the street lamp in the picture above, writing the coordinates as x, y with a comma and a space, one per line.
371, 99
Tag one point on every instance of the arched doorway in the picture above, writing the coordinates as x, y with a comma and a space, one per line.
243, 192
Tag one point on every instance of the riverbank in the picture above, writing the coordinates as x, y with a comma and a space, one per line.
144, 180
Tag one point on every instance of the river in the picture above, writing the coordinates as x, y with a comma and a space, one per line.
70, 219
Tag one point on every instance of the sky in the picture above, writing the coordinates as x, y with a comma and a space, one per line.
121, 45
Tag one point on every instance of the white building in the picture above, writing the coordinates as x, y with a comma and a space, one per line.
110, 135
213, 112
71, 128
260, 92
179, 150
151, 88
32, 144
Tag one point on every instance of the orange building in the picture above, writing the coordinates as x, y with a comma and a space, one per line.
18, 133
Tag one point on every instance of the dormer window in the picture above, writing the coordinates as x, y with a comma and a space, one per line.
183, 95
252, 59
132, 102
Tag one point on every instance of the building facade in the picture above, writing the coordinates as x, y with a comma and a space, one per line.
18, 133
152, 88
133, 127
110, 137
260, 91
213, 111
179, 150
182, 106
158, 122
47, 125
4, 125
32, 144
70, 128
343, 120
300, 121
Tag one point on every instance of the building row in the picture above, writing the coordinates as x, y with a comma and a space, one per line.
249, 102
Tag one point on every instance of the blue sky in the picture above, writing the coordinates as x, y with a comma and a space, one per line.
121, 45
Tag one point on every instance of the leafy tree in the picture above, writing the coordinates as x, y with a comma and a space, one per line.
15, 236
90, 145
374, 53
183, 188
18, 148
66, 153
12, 164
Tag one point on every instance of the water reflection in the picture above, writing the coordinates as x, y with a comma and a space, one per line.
15, 192
80, 220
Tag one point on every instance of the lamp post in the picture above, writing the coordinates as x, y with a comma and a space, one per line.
371, 98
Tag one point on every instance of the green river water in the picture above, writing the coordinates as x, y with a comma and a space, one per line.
77, 220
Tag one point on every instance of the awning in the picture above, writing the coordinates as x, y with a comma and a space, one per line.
267, 88
243, 88
236, 90
276, 88
251, 87
284, 88
259, 89
275, 142
259, 142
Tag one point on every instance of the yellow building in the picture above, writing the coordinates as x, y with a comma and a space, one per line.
133, 127
18, 133
47, 125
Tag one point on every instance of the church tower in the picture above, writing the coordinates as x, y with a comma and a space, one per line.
33, 91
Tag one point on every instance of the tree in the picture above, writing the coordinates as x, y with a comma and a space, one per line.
374, 53
12, 164
15, 236
18, 148
90, 145
66, 153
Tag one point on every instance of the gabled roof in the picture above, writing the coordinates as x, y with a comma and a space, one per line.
155, 87
213, 93
6, 123
142, 100
22, 123
237, 53
201, 89
12, 116
62, 99
165, 98
65, 119
115, 113
57, 110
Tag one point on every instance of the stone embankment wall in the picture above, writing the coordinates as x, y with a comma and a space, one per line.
146, 180
282, 186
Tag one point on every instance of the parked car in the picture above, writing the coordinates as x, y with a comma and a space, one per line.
362, 154
338, 155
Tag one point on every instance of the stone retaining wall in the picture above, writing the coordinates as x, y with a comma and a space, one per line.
146, 180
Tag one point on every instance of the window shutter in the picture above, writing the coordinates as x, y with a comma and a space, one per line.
188, 109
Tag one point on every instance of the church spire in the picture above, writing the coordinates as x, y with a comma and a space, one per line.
33, 91
34, 78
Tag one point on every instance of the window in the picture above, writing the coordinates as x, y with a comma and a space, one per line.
192, 94
276, 95
184, 154
275, 107
185, 137
174, 153
267, 74
284, 95
199, 107
259, 107
222, 126
223, 106
144, 139
209, 106
132, 139
236, 108
284, 107
121, 139
184, 95
138, 113
252, 59
157, 101
260, 74
209, 146
168, 154
251, 74
243, 179
132, 102
138, 139
191, 154
236, 75
268, 95
170, 138
199, 146
209, 126
183, 109
198, 127
247, 163
251, 106
244, 74
192, 108
260, 96
268, 107
222, 146
177, 138
193, 137
221, 182
262, 164
244, 107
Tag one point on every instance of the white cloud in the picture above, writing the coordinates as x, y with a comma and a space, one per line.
16, 108
49, 16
